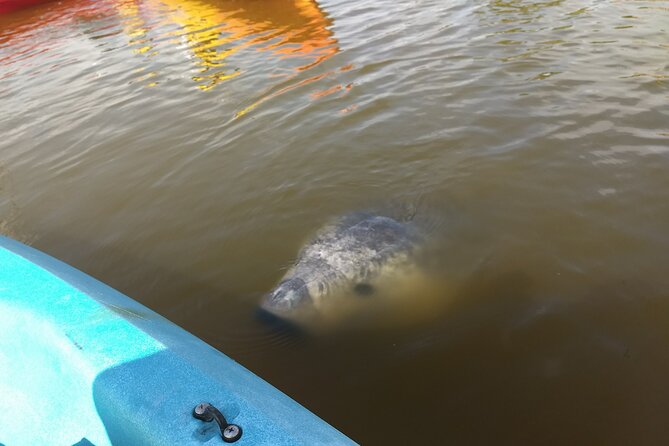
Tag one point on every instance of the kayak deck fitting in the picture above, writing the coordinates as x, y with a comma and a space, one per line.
82, 364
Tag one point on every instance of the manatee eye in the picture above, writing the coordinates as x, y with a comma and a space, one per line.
363, 289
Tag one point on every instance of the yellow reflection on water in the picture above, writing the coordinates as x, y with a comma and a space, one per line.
215, 30
134, 26
309, 80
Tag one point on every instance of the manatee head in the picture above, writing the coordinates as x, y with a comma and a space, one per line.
349, 267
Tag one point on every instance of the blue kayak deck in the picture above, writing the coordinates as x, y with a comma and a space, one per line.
82, 364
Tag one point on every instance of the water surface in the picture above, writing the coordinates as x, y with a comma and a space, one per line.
182, 151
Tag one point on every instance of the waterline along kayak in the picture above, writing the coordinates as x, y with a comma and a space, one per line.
82, 364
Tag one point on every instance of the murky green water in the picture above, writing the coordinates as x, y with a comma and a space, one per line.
182, 151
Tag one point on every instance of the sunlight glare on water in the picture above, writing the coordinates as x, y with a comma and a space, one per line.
184, 151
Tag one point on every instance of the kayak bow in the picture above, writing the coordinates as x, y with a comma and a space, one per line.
82, 364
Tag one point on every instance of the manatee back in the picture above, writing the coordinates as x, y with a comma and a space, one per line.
355, 248
376, 234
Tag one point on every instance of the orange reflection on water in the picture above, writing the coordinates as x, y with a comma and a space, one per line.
310, 37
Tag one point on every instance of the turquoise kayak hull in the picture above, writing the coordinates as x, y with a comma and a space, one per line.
82, 364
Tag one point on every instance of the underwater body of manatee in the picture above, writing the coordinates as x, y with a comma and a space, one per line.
345, 269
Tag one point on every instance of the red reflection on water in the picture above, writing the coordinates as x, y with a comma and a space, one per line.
19, 29
7, 6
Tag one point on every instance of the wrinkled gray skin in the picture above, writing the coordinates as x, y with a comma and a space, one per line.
345, 258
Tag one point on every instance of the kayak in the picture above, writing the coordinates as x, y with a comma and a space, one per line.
82, 364
12, 5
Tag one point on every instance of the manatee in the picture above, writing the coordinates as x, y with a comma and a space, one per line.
345, 262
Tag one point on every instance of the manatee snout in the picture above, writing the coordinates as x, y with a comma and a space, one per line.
288, 295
